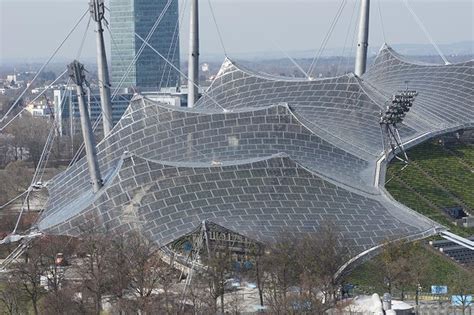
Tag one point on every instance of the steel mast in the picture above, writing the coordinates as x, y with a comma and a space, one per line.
193, 64
363, 38
76, 73
97, 10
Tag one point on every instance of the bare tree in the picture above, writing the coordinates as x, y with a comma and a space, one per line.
207, 289
27, 274
404, 265
6, 152
62, 302
138, 277
218, 264
420, 268
199, 295
256, 254
14, 179
29, 137
462, 286
322, 255
146, 273
119, 268
300, 272
94, 269
12, 298
7, 224
168, 298
54, 270
282, 270
394, 263
39, 263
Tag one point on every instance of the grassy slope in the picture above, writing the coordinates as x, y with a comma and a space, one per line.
454, 176
369, 279
447, 169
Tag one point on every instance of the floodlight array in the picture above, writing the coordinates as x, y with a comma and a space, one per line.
399, 107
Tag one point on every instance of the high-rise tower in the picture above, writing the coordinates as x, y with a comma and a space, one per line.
150, 72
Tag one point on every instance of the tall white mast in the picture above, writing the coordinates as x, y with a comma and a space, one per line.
97, 10
363, 38
76, 73
193, 67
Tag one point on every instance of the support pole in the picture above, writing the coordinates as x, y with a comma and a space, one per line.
97, 9
71, 121
206, 237
193, 66
76, 72
363, 38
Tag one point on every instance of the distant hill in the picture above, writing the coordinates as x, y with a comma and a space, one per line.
453, 49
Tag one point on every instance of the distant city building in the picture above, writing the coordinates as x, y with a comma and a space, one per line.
11, 78
150, 72
66, 106
66, 109
170, 96
39, 110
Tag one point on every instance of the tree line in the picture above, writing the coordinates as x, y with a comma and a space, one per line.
130, 274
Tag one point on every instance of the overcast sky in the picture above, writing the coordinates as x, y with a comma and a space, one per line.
34, 28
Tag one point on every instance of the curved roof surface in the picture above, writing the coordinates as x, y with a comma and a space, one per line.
445, 91
260, 155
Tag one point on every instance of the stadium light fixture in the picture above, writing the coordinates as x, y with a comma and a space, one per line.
394, 114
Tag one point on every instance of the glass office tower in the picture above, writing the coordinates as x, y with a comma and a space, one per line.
150, 72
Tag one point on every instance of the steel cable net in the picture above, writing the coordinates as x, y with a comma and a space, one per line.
287, 155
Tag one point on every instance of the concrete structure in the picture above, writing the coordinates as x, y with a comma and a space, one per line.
468, 222
149, 72
286, 155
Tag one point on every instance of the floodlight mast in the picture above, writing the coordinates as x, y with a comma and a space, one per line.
97, 10
394, 114
363, 38
193, 62
76, 73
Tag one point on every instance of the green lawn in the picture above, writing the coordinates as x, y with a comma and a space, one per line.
369, 279
466, 152
447, 169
